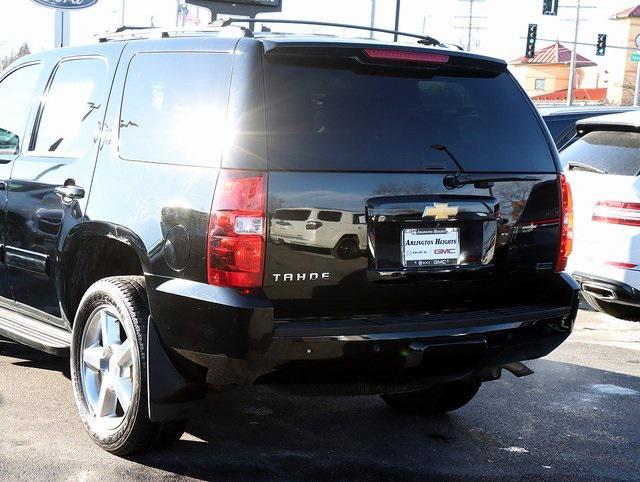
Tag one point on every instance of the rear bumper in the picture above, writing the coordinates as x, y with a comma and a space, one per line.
609, 290
215, 336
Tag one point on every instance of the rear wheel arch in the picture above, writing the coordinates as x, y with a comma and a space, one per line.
96, 252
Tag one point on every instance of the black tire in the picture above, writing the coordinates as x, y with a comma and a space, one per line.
437, 399
347, 248
622, 312
126, 297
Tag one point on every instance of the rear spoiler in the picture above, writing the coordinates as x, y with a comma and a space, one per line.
362, 54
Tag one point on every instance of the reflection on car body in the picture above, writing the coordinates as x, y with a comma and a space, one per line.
342, 232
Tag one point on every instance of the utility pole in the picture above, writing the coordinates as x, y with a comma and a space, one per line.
373, 17
123, 5
470, 25
397, 27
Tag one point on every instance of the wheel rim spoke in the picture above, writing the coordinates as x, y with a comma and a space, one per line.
106, 405
122, 354
93, 356
123, 389
110, 328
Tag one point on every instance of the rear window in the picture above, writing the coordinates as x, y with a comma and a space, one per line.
336, 118
292, 214
615, 152
331, 216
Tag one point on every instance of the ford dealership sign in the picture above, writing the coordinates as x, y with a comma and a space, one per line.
67, 4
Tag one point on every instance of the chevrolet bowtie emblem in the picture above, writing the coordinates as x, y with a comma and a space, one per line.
441, 211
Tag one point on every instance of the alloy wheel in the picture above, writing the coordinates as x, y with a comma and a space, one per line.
106, 368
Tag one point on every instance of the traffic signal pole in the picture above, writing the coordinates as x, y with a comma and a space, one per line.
572, 68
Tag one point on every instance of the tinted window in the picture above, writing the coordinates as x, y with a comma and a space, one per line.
358, 219
174, 108
292, 214
72, 108
611, 151
327, 118
16, 94
331, 216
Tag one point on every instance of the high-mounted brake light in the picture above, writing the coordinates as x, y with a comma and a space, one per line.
237, 224
566, 224
406, 56
617, 212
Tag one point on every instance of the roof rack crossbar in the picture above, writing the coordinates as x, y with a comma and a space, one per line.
423, 39
137, 32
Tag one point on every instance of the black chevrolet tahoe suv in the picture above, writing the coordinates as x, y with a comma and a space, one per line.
141, 178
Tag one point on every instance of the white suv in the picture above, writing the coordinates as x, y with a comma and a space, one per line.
602, 164
342, 232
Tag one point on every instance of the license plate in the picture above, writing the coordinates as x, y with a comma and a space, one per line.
430, 247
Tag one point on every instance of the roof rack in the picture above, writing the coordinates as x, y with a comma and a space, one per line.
422, 39
137, 32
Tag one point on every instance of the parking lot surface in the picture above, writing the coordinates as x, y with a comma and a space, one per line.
577, 417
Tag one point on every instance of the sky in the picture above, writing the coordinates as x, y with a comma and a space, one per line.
501, 23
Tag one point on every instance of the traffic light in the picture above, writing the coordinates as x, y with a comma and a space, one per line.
601, 45
550, 7
531, 41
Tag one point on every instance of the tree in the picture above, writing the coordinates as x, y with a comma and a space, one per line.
9, 59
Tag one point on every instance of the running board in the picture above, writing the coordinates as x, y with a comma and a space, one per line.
36, 334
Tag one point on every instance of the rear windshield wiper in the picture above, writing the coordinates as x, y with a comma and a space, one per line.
585, 167
482, 181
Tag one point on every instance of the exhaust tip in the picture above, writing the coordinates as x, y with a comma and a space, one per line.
599, 291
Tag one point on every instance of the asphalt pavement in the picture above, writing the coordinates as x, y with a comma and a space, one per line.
577, 417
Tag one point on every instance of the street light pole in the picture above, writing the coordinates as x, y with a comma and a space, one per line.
123, 5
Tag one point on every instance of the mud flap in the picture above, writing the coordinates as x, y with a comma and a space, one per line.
170, 395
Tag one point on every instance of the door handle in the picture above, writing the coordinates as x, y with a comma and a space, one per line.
69, 193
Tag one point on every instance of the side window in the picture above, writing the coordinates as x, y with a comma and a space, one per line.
174, 108
16, 95
72, 108
359, 219
330, 216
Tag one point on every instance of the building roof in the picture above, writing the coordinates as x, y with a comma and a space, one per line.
555, 54
578, 94
627, 13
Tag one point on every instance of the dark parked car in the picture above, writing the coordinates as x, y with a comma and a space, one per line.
562, 121
135, 223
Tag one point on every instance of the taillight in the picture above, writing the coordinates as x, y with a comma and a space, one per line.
617, 212
237, 223
406, 56
313, 225
566, 224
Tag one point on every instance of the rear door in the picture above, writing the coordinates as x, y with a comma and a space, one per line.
50, 181
351, 130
